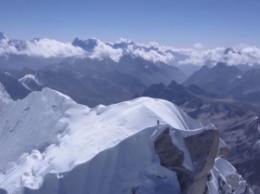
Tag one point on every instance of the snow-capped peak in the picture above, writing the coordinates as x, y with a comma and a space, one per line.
48, 133
70, 134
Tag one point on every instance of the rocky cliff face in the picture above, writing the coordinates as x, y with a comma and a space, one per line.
203, 149
211, 173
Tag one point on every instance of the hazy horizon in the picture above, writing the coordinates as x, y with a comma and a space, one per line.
176, 23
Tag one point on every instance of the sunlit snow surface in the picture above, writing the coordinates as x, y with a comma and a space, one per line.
69, 134
47, 132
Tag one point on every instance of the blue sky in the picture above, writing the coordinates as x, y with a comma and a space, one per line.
180, 23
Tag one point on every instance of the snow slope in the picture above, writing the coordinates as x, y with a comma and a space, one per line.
130, 166
4, 96
49, 132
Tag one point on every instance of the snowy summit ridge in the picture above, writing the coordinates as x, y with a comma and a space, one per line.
48, 133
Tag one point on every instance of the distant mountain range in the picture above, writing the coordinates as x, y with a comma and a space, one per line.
93, 82
228, 82
216, 80
39, 52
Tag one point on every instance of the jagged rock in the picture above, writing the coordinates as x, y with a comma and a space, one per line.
172, 158
170, 155
224, 149
203, 149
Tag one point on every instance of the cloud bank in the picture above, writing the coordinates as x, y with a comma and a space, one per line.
154, 52
45, 48
103, 50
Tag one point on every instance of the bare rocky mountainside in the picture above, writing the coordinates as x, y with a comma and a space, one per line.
94, 82
228, 82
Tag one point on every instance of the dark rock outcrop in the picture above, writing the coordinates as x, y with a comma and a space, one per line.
13, 87
172, 158
203, 149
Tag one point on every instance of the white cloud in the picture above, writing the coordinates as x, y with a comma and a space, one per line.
6, 49
154, 52
246, 55
51, 48
150, 54
45, 48
103, 50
